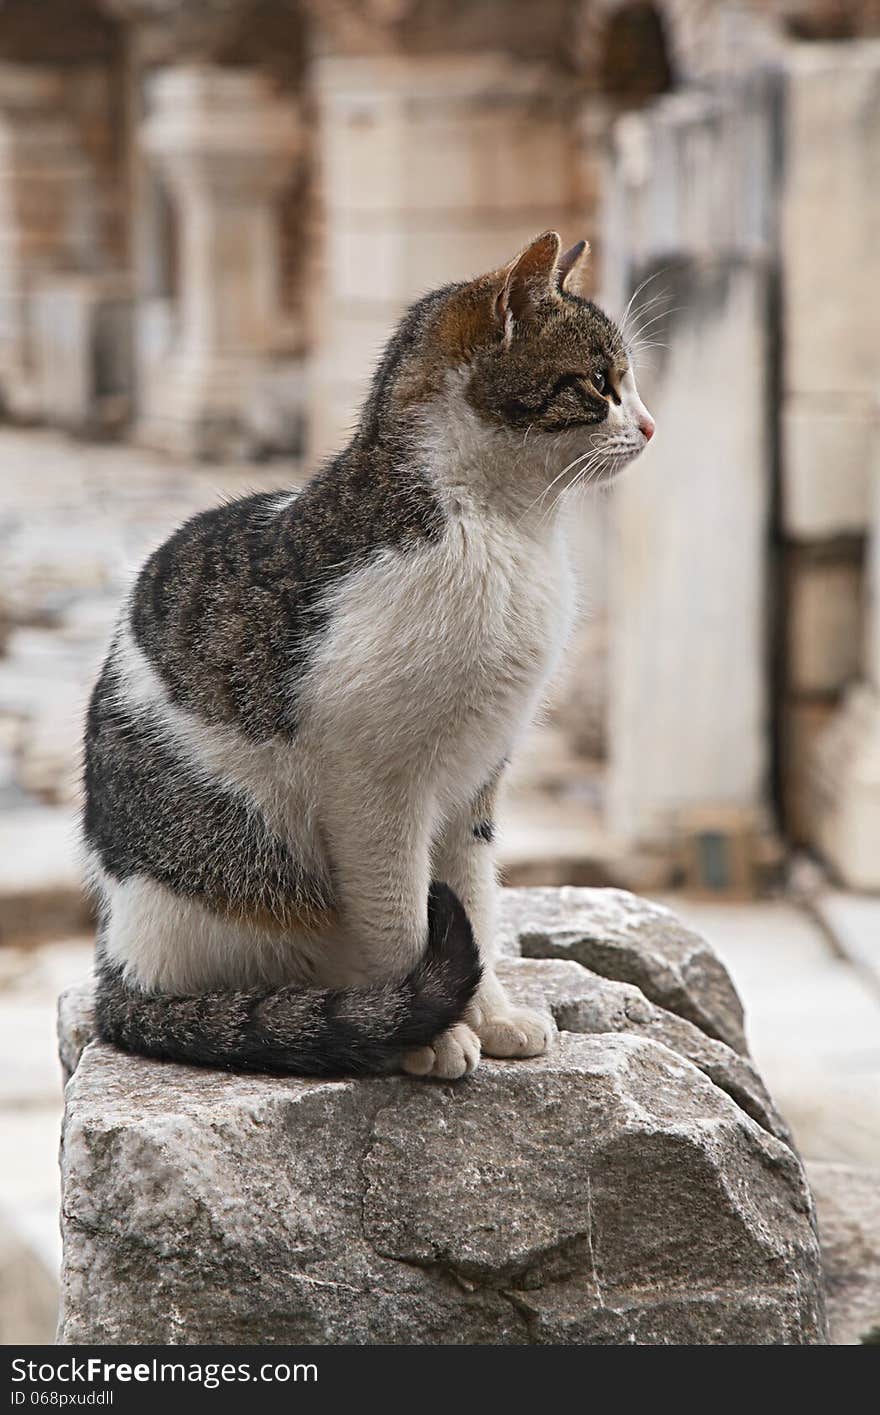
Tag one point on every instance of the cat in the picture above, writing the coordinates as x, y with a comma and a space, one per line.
293, 750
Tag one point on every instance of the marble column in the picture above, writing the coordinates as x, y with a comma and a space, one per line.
844, 797
225, 145
831, 429
690, 204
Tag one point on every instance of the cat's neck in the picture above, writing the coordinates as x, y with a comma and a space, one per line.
488, 472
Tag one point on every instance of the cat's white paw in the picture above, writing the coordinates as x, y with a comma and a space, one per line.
515, 1032
454, 1053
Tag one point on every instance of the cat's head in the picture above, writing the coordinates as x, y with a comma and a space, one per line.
516, 360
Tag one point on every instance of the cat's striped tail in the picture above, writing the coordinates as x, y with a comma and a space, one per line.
306, 1031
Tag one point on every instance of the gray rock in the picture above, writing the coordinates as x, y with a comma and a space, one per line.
634, 1185
581, 1001
620, 936
606, 1193
76, 1024
848, 1206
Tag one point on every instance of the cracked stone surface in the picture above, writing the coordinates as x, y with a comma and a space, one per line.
621, 936
632, 1186
582, 1001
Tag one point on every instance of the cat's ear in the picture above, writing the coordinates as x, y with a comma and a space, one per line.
571, 264
528, 280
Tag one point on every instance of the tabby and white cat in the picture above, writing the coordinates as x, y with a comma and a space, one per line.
294, 746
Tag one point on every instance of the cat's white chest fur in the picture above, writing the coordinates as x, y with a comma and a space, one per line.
434, 659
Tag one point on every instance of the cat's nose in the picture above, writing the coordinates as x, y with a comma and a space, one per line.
646, 426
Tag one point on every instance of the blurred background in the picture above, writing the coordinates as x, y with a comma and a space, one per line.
211, 214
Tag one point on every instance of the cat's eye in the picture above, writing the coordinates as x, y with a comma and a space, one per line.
598, 381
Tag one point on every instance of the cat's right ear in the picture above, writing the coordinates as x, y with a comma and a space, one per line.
570, 264
528, 280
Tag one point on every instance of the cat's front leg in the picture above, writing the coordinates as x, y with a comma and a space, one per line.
465, 860
377, 827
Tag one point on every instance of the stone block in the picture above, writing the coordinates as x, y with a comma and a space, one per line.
83, 350
607, 1193
844, 790
825, 466
831, 203
824, 624
853, 921
804, 722
433, 169
495, 130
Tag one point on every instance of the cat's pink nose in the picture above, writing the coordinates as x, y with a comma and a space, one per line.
646, 426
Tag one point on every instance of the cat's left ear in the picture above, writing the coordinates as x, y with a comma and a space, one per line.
528, 280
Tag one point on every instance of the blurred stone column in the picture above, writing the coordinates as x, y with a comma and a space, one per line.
831, 472
46, 204
691, 204
845, 769
432, 168
225, 145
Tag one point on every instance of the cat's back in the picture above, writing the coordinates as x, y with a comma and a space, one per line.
215, 604
227, 612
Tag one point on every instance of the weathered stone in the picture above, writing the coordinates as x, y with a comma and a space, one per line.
825, 623
633, 1185
605, 1193
47, 205
853, 921
825, 480
76, 1025
688, 209
626, 938
844, 790
832, 122
581, 1001
804, 722
845, 769
848, 1209
705, 745
83, 336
